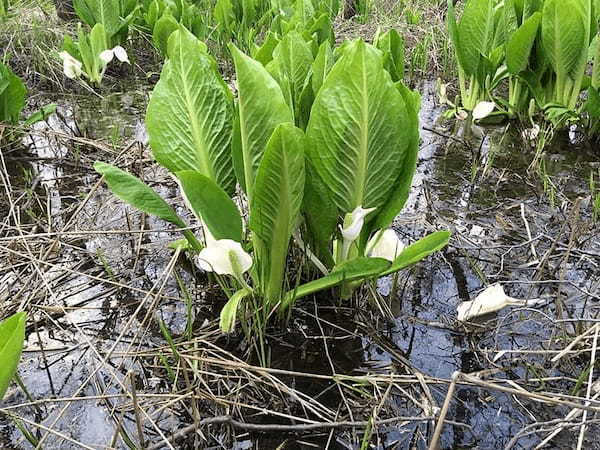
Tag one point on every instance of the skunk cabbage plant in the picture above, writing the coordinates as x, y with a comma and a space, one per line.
13, 94
540, 47
330, 190
115, 17
90, 55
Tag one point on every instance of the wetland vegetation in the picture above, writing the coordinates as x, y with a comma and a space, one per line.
295, 224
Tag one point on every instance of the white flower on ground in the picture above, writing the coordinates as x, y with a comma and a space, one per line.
71, 66
483, 109
354, 222
489, 300
385, 244
225, 257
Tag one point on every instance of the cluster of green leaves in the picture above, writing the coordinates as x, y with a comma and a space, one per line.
538, 47
13, 94
317, 137
12, 336
115, 16
161, 17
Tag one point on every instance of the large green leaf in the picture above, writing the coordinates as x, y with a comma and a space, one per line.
211, 203
261, 107
321, 66
164, 27
275, 205
518, 48
565, 39
476, 33
355, 269
419, 250
12, 335
135, 192
106, 12
358, 131
320, 214
292, 61
392, 46
12, 95
563, 35
190, 115
403, 183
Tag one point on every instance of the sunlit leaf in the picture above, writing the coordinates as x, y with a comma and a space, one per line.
190, 113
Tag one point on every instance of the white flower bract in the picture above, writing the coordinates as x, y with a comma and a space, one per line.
489, 300
224, 257
483, 109
106, 56
71, 65
385, 244
121, 54
117, 52
354, 222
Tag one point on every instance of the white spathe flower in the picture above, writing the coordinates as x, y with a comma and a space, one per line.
225, 257
489, 300
119, 52
385, 244
106, 56
354, 222
483, 109
71, 65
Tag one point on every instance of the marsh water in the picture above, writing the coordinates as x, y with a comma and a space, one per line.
504, 216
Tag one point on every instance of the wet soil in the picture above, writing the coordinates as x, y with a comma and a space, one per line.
530, 228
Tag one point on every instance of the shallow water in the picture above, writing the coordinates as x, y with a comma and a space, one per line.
475, 190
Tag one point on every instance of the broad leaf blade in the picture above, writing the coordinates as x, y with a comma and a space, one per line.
358, 130
12, 335
520, 44
12, 96
563, 35
210, 202
164, 27
355, 269
399, 196
321, 66
419, 250
189, 117
320, 214
476, 33
135, 192
261, 108
294, 59
275, 206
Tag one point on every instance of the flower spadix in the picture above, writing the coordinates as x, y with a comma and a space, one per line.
489, 300
385, 244
71, 65
225, 257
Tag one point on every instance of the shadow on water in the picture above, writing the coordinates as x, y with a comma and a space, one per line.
484, 193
